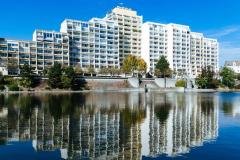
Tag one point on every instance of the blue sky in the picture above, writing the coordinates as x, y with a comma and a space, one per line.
215, 18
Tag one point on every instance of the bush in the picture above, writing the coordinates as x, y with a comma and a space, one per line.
13, 87
2, 87
180, 83
8, 80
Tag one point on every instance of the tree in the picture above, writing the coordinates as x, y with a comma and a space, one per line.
1, 78
12, 66
206, 78
104, 71
130, 64
228, 77
180, 83
1, 82
142, 66
68, 77
27, 76
90, 70
54, 76
78, 70
162, 67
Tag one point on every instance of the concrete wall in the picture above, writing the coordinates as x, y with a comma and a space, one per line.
134, 82
170, 83
106, 84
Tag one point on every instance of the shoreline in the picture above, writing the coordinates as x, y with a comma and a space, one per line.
159, 90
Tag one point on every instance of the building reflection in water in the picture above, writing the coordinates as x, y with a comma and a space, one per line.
109, 125
178, 122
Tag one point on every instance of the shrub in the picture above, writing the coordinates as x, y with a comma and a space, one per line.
180, 83
2, 87
8, 80
13, 87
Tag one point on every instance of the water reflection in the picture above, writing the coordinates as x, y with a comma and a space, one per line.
230, 104
178, 122
110, 125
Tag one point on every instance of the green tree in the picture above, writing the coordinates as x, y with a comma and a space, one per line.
228, 77
27, 76
162, 67
206, 78
1, 82
68, 77
54, 76
1, 78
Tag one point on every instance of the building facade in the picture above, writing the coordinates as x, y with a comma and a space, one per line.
187, 52
15, 53
234, 65
129, 24
93, 43
52, 47
104, 43
46, 48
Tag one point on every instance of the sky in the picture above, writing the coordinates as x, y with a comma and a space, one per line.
215, 18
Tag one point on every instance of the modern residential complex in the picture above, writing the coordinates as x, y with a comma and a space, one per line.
52, 47
234, 65
14, 53
105, 42
129, 31
93, 43
187, 52
47, 48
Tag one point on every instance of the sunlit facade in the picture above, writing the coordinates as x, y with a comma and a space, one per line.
187, 52
46, 48
93, 44
129, 23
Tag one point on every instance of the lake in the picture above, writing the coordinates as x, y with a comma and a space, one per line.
120, 125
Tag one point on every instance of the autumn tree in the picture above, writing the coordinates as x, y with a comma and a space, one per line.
131, 64
142, 66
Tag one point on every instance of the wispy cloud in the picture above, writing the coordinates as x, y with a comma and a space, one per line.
223, 32
229, 40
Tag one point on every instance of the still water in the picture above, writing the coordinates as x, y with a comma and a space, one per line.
125, 125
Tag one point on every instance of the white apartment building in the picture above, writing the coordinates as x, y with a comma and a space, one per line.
15, 53
154, 44
234, 65
211, 54
129, 31
197, 47
204, 52
93, 43
47, 48
104, 43
187, 52
52, 47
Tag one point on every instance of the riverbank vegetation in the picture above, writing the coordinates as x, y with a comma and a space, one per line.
69, 78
